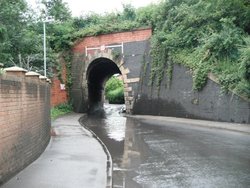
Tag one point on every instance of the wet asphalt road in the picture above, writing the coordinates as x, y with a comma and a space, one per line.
156, 154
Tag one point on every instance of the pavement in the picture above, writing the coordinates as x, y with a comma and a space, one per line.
243, 128
73, 159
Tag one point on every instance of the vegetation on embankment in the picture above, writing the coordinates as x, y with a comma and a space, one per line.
114, 91
207, 36
60, 110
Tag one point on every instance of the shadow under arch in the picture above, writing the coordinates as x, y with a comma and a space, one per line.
98, 72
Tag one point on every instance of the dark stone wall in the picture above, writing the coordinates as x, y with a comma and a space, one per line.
77, 91
134, 56
134, 53
178, 99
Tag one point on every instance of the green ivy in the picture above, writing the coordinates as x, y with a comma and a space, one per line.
59, 72
206, 36
68, 57
161, 63
200, 77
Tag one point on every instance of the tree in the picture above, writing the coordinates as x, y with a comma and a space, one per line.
128, 12
57, 10
12, 23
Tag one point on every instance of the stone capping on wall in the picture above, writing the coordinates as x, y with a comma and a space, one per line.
32, 74
18, 71
212, 77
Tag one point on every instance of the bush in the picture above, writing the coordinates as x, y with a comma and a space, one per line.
61, 110
116, 96
114, 91
207, 36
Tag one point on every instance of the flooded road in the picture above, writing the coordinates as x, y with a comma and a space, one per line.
156, 154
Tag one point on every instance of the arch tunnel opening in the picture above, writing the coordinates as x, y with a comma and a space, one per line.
99, 71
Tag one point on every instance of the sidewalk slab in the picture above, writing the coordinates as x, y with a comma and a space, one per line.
73, 159
244, 128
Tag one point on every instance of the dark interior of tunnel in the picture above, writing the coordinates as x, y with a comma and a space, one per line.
99, 71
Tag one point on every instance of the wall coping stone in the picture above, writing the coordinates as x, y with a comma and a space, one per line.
42, 77
15, 69
48, 80
32, 74
212, 77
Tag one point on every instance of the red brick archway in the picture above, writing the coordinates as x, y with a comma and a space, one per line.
98, 42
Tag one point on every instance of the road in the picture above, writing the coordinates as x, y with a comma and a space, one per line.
159, 154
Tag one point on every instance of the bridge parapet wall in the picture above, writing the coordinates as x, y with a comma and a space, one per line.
112, 38
24, 119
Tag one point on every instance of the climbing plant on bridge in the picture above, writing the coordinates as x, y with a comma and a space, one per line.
207, 36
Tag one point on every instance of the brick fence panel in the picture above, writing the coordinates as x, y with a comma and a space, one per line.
24, 122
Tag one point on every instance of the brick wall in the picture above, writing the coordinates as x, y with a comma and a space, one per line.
24, 120
59, 96
130, 36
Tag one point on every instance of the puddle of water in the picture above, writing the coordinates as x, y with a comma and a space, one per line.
119, 135
150, 156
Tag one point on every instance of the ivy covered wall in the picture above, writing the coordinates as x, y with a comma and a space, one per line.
176, 97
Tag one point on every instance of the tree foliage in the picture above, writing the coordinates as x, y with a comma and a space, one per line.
56, 10
207, 36
12, 21
114, 91
21, 33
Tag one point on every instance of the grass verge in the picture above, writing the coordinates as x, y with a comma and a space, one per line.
60, 110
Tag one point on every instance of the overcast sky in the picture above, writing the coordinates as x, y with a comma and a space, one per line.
79, 7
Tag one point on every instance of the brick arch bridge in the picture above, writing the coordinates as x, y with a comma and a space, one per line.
97, 58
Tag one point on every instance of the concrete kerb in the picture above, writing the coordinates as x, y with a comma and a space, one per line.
243, 128
109, 158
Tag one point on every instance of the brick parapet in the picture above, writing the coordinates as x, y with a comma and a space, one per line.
24, 121
112, 38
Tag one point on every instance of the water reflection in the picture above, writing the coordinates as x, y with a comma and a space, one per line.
115, 123
125, 146
158, 155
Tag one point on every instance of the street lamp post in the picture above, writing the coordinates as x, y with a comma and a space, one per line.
44, 48
44, 44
